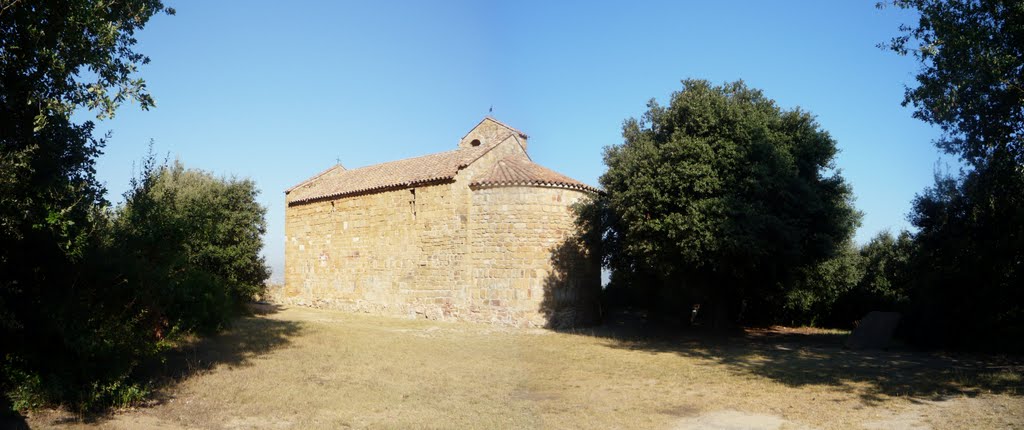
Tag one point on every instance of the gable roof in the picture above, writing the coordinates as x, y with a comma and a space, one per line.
338, 167
337, 182
513, 171
441, 167
491, 119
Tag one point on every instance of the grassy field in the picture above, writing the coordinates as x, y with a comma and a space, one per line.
298, 368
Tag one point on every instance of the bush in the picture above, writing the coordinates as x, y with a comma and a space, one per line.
204, 233
181, 255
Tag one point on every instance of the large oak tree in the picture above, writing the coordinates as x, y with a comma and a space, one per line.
722, 198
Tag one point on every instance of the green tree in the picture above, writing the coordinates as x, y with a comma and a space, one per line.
722, 198
885, 261
57, 57
970, 268
47, 49
881, 283
970, 82
194, 241
968, 287
815, 297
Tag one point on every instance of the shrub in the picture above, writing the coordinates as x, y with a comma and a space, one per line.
204, 234
181, 255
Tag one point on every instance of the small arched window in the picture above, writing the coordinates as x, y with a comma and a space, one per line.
475, 142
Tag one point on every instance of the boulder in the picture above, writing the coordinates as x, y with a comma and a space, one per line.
874, 331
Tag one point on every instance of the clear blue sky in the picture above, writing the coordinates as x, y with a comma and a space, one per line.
277, 91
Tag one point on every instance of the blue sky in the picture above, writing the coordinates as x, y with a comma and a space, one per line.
277, 91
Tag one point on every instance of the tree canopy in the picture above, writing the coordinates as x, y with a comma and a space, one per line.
87, 293
56, 57
194, 227
968, 272
970, 83
721, 197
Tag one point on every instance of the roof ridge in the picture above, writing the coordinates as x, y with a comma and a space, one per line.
514, 169
519, 132
328, 170
520, 143
432, 154
491, 118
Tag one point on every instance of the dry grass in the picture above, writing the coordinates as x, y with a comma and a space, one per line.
303, 368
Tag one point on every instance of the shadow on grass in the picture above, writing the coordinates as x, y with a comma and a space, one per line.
248, 337
800, 359
10, 420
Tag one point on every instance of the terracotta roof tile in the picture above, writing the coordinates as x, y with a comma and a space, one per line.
512, 171
338, 182
338, 167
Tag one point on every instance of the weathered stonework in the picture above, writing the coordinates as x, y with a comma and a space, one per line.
481, 245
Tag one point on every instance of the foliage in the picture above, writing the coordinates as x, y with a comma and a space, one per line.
61, 55
819, 289
181, 255
970, 264
886, 264
62, 327
841, 290
80, 333
978, 107
724, 198
883, 268
970, 269
48, 185
203, 233
81, 306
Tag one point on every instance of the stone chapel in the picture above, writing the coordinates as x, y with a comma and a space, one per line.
479, 233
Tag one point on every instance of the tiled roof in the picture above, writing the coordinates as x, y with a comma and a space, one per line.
338, 182
491, 119
519, 170
512, 171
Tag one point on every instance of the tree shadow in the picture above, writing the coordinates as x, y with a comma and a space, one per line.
10, 420
572, 289
799, 359
248, 337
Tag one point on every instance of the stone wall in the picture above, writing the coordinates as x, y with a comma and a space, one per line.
393, 252
528, 261
489, 132
440, 252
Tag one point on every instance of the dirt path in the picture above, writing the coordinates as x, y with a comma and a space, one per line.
300, 368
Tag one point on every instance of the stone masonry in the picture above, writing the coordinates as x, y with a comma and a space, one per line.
480, 233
